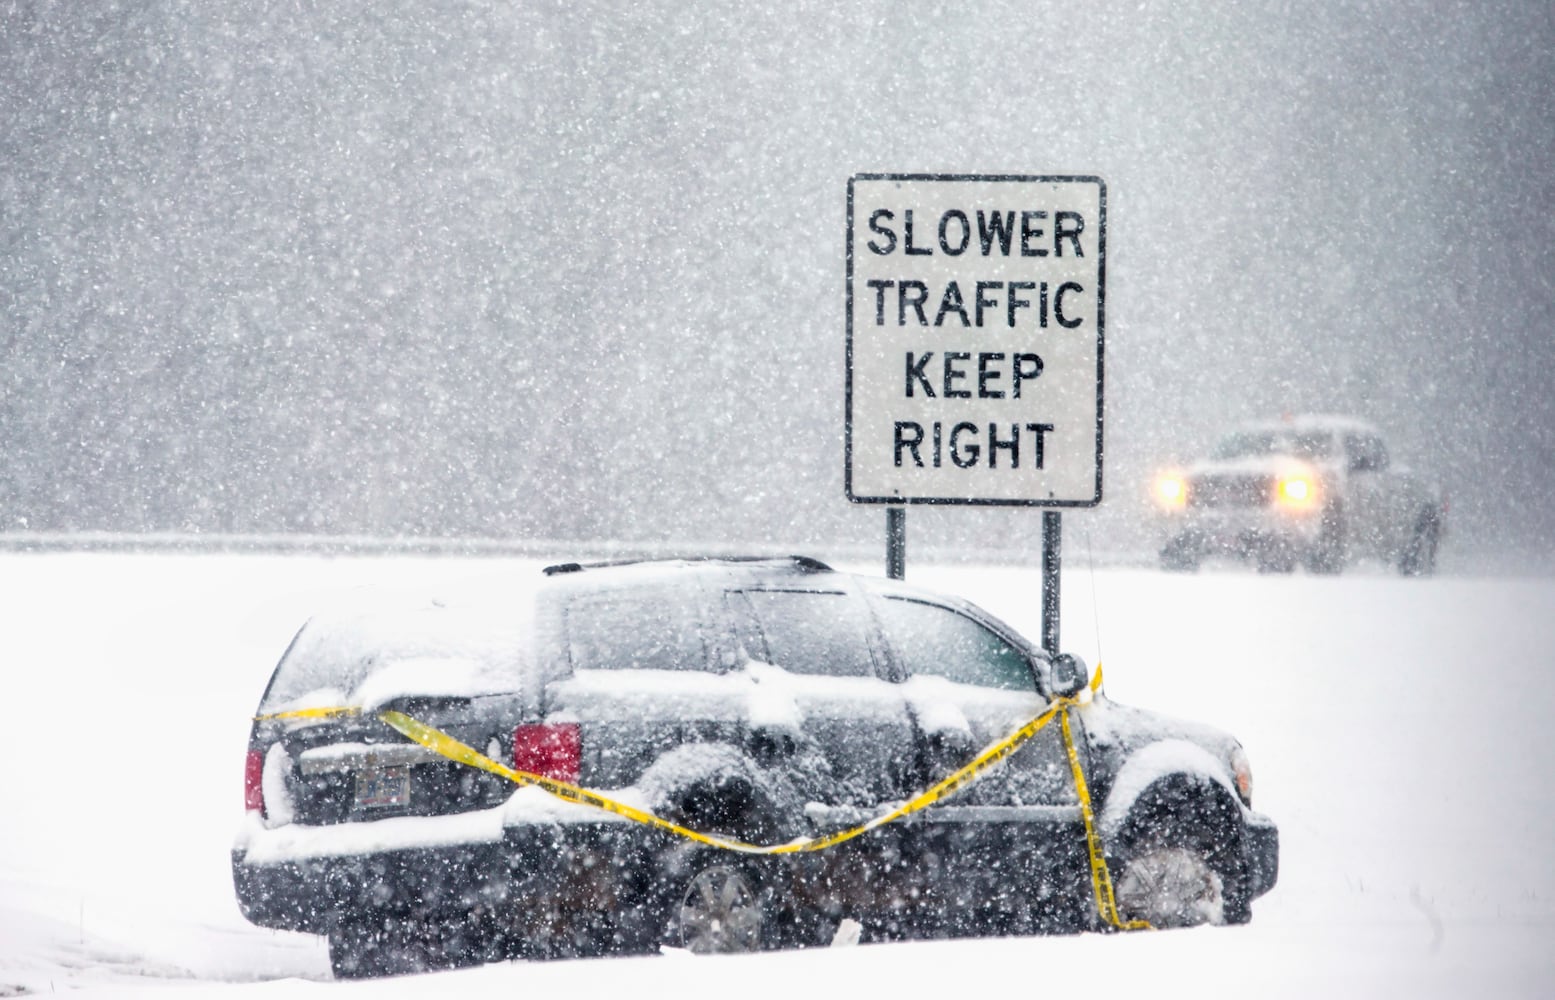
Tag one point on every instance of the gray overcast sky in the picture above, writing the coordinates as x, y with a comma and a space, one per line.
576, 270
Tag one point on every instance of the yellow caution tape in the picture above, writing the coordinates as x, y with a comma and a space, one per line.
310, 713
1101, 880
1101, 877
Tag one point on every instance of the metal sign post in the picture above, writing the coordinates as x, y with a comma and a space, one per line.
1052, 544
975, 315
896, 543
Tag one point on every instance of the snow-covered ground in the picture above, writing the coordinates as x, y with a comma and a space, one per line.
1400, 734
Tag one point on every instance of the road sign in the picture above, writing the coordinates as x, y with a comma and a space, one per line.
974, 339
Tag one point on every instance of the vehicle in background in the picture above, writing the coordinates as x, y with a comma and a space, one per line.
1315, 491
765, 700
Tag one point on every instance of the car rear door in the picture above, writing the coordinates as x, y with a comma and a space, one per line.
1370, 501
1008, 842
967, 686
830, 679
816, 650
647, 670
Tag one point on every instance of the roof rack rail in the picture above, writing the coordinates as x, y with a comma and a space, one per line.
806, 563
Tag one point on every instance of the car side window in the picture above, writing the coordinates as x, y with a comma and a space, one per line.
1367, 453
808, 632
1379, 452
934, 640
635, 632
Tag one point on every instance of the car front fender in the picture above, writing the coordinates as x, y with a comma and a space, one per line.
1148, 766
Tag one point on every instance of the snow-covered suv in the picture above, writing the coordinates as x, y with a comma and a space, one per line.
766, 700
1314, 491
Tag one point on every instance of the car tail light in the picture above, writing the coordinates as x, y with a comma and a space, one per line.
254, 781
551, 751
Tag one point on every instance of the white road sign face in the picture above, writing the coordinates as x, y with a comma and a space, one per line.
975, 309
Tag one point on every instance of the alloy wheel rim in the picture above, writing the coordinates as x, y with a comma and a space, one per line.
720, 913
1172, 887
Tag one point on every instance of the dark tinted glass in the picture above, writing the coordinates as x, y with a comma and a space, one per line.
1306, 444
333, 654
940, 642
635, 632
811, 633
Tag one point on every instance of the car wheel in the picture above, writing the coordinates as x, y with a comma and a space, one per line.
721, 907
1180, 862
1419, 556
1181, 555
1171, 887
1276, 557
1331, 550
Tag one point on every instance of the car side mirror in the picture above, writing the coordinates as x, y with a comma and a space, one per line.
1070, 675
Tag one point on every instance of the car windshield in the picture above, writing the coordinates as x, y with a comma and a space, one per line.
460, 652
1251, 444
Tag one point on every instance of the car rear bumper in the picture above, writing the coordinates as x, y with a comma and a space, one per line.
572, 867
1261, 845
308, 894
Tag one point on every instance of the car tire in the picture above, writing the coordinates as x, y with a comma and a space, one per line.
1181, 555
1171, 887
1332, 549
1276, 557
1419, 555
1181, 864
718, 903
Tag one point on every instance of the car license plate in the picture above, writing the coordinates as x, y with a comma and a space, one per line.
382, 786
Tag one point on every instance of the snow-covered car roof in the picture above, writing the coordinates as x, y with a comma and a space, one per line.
475, 639
1309, 423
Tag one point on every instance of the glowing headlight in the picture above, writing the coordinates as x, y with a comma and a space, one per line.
1171, 491
1296, 491
1243, 772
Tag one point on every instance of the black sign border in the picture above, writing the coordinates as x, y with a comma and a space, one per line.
1101, 340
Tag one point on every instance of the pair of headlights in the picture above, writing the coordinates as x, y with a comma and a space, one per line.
1298, 491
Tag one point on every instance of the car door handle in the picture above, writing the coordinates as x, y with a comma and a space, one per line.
768, 746
949, 748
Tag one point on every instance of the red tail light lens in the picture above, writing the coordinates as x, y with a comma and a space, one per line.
551, 751
254, 781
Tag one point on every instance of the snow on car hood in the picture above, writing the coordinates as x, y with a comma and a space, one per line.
1132, 748
1123, 730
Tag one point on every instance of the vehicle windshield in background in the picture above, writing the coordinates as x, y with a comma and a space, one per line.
1251, 444
474, 651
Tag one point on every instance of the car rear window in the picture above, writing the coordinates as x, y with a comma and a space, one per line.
636, 632
809, 632
936, 641
333, 655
